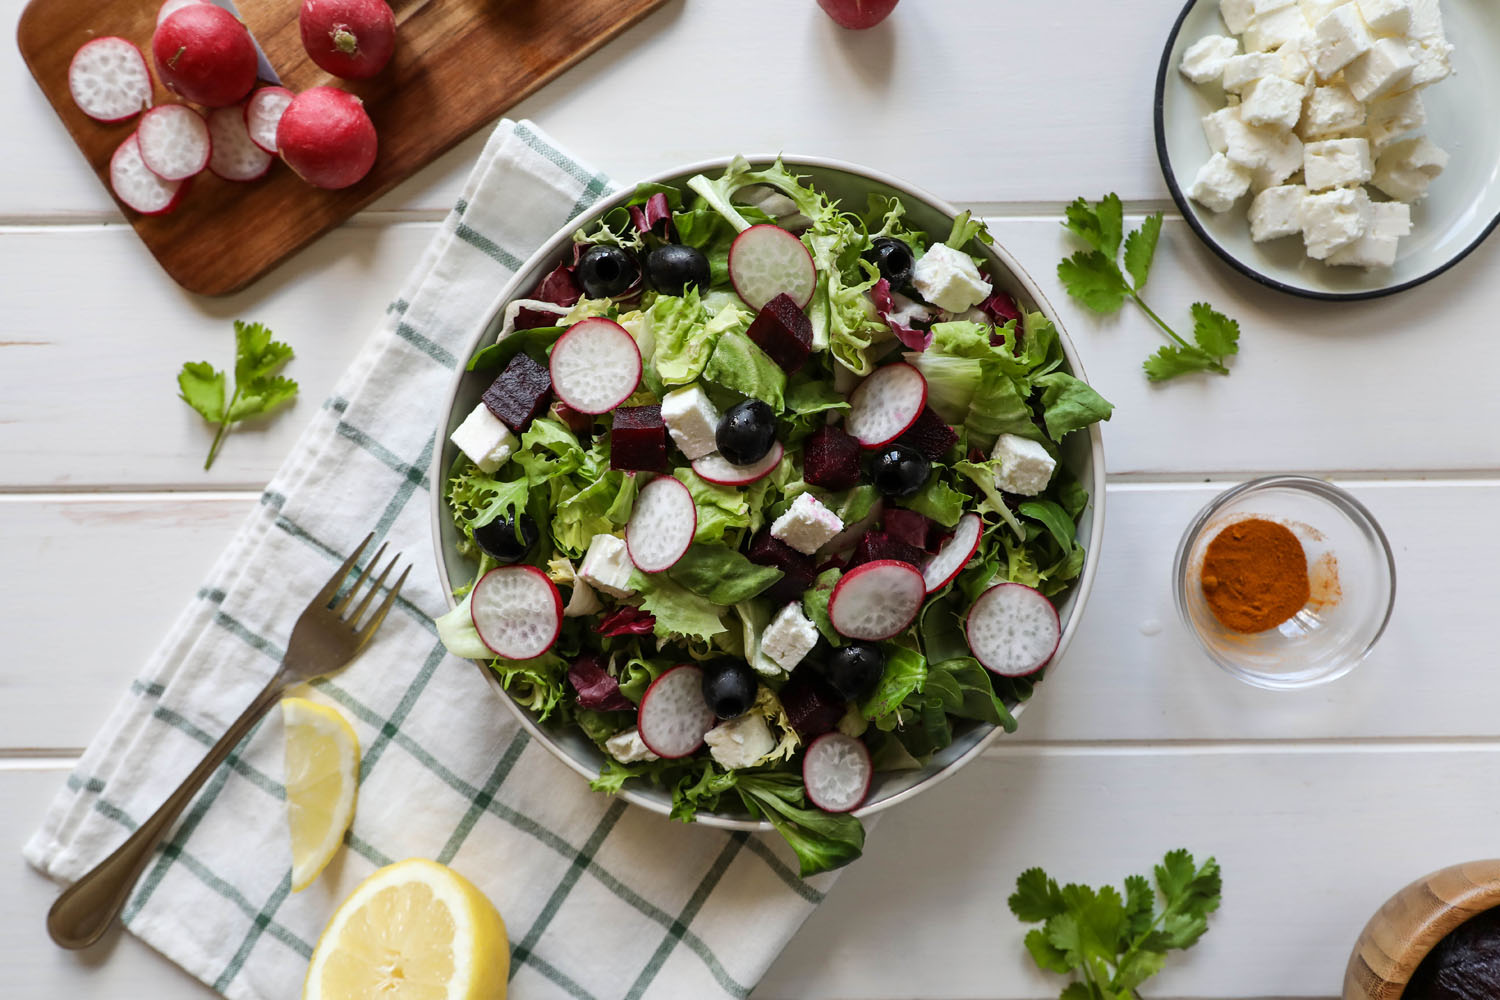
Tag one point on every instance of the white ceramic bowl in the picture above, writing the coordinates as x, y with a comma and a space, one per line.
1083, 454
1463, 205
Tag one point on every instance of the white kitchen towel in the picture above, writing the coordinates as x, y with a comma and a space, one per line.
601, 899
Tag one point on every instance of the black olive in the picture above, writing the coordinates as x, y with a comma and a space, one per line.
501, 539
894, 260
899, 471
672, 268
605, 270
746, 432
729, 687
855, 669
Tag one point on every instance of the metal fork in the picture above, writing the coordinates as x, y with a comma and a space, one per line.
324, 640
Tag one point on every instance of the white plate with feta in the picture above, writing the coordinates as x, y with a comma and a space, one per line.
1331, 149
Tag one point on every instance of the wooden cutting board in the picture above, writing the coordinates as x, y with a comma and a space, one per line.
458, 65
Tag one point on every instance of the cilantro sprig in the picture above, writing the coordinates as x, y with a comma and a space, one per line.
257, 387
1114, 942
1094, 278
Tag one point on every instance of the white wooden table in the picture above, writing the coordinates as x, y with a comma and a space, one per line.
1318, 804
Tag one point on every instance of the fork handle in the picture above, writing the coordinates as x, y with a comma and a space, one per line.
85, 910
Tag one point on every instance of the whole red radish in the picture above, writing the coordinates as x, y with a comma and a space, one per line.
326, 137
352, 39
858, 13
204, 55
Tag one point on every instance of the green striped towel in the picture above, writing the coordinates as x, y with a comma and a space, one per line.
601, 899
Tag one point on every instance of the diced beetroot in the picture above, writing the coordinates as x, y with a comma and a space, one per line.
653, 217
908, 526
576, 421
794, 582
880, 545
812, 705
797, 572
559, 287
783, 331
522, 391
626, 621
929, 435
638, 440
830, 459
596, 689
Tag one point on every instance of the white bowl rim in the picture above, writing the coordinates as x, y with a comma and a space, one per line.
551, 250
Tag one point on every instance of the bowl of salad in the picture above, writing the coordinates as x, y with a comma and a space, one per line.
769, 492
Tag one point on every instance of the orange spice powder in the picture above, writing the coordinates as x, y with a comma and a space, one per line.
1255, 575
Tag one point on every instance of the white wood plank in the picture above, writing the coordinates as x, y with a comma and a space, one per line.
1133, 674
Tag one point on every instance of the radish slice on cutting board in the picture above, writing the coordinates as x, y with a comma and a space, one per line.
836, 771
765, 261
517, 611
674, 715
886, 404
109, 80
174, 142
263, 114
234, 157
1013, 630
595, 365
876, 600
661, 526
134, 183
715, 468
955, 553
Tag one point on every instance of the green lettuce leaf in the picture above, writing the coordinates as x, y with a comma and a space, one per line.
1070, 404
963, 689
815, 605
937, 501
822, 841
905, 672
721, 574
720, 508
680, 613
739, 365
680, 337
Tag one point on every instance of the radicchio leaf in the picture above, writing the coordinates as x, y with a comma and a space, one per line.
657, 212
559, 287
900, 313
1002, 309
626, 621
596, 689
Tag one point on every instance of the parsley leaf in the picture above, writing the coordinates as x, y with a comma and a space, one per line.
257, 386
1115, 942
1094, 278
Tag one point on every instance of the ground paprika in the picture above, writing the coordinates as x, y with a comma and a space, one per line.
1255, 575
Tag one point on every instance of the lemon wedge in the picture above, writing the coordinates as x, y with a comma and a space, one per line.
322, 778
415, 930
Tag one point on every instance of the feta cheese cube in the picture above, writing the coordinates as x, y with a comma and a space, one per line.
1241, 71
1236, 14
807, 524
1428, 44
1386, 17
1316, 10
1406, 168
789, 637
627, 747
1272, 102
1336, 163
1394, 116
1334, 219
1338, 40
1219, 183
1379, 71
1294, 63
1282, 161
948, 279
740, 742
1331, 110
691, 419
1204, 60
1274, 28
1259, 7
1024, 466
582, 601
1389, 221
1277, 212
1216, 127
483, 438
607, 566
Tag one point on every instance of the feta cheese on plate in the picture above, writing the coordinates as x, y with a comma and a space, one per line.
1394, 116
1406, 168
789, 637
582, 601
1219, 184
1272, 102
807, 524
1316, 10
1295, 65
607, 566
1241, 71
1386, 67
948, 279
1389, 221
1204, 60
1338, 40
1283, 159
1236, 14
1428, 44
482, 437
1333, 219
691, 419
627, 747
1331, 110
1277, 212
1259, 7
1024, 466
1274, 28
1336, 162
740, 742
1386, 17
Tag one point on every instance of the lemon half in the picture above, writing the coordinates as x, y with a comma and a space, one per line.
322, 780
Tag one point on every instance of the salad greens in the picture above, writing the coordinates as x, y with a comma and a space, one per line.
258, 388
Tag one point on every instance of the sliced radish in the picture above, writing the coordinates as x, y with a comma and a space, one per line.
517, 611
674, 717
886, 404
876, 600
109, 80
1013, 630
263, 114
235, 157
715, 468
836, 771
595, 365
765, 261
661, 526
174, 142
955, 553
171, 7
135, 185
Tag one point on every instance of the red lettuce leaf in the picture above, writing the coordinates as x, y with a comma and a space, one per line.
626, 621
596, 689
657, 212
900, 317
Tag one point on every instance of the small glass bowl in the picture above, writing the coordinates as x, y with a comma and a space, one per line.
1350, 567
